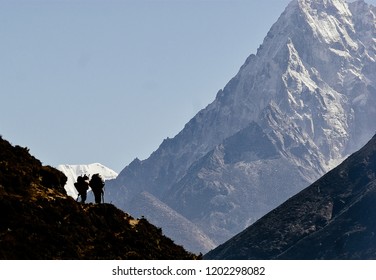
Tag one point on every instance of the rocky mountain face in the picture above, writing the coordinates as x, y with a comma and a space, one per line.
334, 218
295, 110
39, 221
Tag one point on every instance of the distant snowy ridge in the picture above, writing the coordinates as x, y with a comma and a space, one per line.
73, 171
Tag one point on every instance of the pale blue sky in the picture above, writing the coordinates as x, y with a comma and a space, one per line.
106, 81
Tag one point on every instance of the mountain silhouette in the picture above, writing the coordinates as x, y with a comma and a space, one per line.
334, 218
40, 221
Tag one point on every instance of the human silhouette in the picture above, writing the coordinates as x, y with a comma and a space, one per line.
97, 184
82, 185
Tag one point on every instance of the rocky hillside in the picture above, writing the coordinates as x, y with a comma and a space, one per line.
39, 221
334, 218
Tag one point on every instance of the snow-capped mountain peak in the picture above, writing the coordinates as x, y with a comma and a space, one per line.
73, 171
308, 95
331, 22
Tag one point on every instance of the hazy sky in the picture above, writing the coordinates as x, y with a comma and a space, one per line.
85, 81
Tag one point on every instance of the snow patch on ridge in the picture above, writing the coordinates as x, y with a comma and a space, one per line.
333, 24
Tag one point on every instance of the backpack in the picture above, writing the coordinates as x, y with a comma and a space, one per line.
81, 185
96, 182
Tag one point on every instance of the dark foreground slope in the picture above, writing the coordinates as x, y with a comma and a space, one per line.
39, 221
334, 218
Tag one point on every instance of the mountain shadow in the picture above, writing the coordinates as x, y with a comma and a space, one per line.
39, 221
334, 218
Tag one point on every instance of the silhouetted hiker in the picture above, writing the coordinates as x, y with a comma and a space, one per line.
82, 185
97, 184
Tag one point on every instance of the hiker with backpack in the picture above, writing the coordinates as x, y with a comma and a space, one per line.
97, 184
82, 185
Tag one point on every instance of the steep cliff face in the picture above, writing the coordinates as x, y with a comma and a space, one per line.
334, 218
297, 108
40, 221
